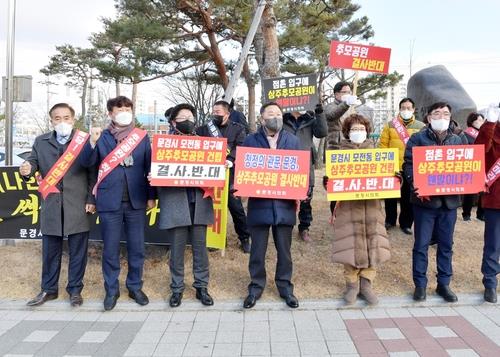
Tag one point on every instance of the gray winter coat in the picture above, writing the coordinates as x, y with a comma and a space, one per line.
75, 189
309, 127
174, 208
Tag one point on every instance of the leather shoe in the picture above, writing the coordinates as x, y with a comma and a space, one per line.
41, 298
175, 300
445, 292
139, 297
419, 294
490, 295
203, 295
245, 245
291, 301
250, 301
76, 300
110, 301
407, 230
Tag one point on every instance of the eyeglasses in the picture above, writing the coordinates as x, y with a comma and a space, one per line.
441, 114
345, 92
184, 118
357, 129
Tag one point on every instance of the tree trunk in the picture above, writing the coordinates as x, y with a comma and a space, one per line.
134, 97
117, 86
252, 124
271, 50
84, 97
218, 59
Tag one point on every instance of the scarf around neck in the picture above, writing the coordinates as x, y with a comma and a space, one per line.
120, 132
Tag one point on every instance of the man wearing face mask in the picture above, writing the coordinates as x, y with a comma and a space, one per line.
396, 134
65, 207
220, 126
436, 214
123, 154
489, 136
277, 214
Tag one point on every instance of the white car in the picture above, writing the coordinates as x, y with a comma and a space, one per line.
20, 154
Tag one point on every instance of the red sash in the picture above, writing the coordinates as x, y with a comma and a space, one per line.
473, 132
493, 174
403, 134
62, 165
120, 152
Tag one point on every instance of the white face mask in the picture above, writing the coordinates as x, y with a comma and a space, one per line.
440, 124
357, 137
63, 129
123, 118
406, 114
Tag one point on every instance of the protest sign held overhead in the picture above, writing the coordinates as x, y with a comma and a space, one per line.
358, 57
297, 93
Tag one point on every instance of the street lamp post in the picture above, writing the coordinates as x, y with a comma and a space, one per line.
9, 98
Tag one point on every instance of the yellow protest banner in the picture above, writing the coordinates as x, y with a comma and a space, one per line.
362, 174
216, 233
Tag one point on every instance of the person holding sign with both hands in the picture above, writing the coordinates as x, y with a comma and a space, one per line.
123, 153
489, 135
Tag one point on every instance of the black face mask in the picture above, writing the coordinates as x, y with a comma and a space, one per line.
185, 127
218, 119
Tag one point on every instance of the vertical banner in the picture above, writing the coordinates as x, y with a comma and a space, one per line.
448, 170
297, 93
362, 174
268, 173
188, 161
357, 57
217, 233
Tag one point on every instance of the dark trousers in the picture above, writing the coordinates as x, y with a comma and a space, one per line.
282, 236
52, 247
305, 215
490, 266
406, 213
468, 203
239, 217
113, 223
180, 236
427, 220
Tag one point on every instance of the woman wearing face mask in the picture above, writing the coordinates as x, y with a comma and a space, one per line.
435, 216
395, 134
474, 122
359, 235
185, 214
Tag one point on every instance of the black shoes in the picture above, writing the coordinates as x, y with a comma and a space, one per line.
139, 297
203, 295
445, 292
419, 294
291, 301
250, 301
75, 300
110, 301
41, 298
175, 300
407, 230
245, 245
490, 295
389, 225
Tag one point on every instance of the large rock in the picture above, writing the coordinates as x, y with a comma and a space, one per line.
437, 84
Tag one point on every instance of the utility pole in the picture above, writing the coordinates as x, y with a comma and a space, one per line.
233, 82
9, 98
412, 45
47, 83
155, 119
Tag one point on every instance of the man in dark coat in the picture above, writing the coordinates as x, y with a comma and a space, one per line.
63, 213
277, 214
219, 125
436, 214
306, 127
122, 198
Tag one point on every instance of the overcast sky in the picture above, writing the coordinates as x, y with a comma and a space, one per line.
460, 34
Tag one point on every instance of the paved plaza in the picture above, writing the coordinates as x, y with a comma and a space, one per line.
397, 327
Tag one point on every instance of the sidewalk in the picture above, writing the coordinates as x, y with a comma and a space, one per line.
397, 327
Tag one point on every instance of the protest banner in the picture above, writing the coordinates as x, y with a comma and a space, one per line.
20, 204
358, 57
448, 170
193, 161
269, 173
362, 174
297, 93
217, 232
